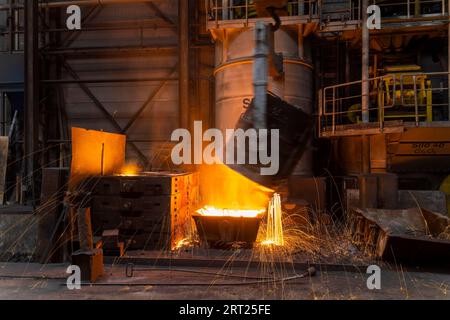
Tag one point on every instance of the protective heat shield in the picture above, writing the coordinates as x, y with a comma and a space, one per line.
95, 153
295, 129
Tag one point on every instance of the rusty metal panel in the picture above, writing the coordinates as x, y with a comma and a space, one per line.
378, 153
95, 153
422, 149
348, 155
413, 235
388, 195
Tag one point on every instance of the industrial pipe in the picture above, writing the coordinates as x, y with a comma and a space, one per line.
260, 74
365, 64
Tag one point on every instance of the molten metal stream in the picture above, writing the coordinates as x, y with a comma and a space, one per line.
274, 233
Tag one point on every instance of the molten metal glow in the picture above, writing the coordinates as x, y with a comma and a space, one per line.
274, 235
216, 212
221, 187
129, 170
183, 243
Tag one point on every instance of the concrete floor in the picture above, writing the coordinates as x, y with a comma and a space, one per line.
171, 285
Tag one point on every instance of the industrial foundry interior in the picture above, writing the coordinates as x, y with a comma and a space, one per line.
88, 118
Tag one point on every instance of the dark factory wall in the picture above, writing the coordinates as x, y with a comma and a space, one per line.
125, 58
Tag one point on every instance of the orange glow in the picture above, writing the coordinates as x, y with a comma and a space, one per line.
223, 188
183, 243
215, 212
274, 232
95, 153
130, 170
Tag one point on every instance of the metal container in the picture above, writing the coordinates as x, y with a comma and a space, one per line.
295, 129
223, 232
234, 79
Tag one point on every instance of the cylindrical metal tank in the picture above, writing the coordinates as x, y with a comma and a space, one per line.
234, 78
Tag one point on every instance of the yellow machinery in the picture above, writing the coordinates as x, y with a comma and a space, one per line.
399, 93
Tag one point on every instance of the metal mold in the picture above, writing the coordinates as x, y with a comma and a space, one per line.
225, 231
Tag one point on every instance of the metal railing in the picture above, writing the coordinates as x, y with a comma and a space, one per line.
11, 27
410, 8
225, 10
326, 11
412, 98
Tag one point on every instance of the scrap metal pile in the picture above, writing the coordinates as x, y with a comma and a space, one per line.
413, 235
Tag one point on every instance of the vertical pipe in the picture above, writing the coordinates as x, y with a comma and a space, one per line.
11, 20
347, 64
301, 46
183, 52
31, 94
225, 11
365, 64
448, 61
246, 13
334, 111
416, 102
260, 74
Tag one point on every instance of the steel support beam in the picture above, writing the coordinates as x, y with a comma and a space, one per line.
118, 80
183, 63
111, 50
31, 123
71, 37
365, 103
148, 101
161, 14
100, 106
